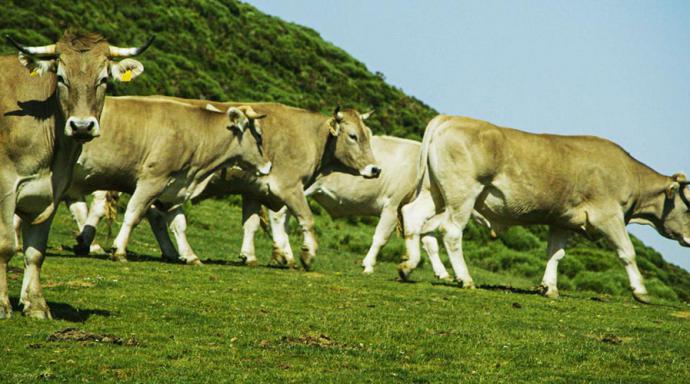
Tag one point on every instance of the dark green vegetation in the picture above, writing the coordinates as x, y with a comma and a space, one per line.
225, 322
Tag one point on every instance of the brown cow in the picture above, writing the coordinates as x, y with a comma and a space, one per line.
51, 104
300, 144
570, 183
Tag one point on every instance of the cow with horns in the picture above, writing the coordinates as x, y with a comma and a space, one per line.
52, 100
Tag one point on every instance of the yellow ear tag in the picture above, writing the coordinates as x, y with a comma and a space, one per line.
127, 76
34, 72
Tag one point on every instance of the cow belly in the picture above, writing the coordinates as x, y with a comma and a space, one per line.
341, 206
35, 195
503, 208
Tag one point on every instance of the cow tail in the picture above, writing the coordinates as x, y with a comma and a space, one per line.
110, 208
423, 165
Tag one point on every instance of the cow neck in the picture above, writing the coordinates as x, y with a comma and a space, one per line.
651, 204
327, 156
65, 152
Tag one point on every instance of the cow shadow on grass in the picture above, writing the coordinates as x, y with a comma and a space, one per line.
492, 287
68, 252
66, 312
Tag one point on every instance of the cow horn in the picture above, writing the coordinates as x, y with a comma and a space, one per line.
250, 113
338, 116
44, 50
127, 52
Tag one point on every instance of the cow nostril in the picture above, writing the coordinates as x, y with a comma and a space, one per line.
90, 126
73, 125
376, 171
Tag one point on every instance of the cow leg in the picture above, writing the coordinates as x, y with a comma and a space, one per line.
79, 211
8, 247
35, 241
251, 221
460, 197
144, 195
85, 239
614, 230
556, 251
17, 233
415, 214
157, 221
384, 228
282, 252
178, 225
431, 247
297, 203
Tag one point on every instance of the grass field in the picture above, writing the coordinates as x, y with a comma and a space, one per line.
222, 322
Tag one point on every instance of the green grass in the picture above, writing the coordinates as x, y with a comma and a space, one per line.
225, 323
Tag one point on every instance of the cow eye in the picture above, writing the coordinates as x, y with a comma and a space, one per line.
102, 81
61, 80
352, 136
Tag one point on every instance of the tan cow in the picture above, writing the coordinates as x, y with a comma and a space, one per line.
344, 195
165, 151
51, 103
300, 144
570, 183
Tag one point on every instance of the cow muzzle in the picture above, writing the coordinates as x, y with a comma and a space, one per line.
371, 171
82, 129
265, 169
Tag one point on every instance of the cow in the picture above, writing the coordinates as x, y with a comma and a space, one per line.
300, 144
163, 151
581, 184
51, 104
342, 195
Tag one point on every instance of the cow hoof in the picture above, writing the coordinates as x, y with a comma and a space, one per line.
368, 271
643, 298
81, 250
404, 271
546, 291
291, 264
278, 256
251, 263
96, 249
445, 277
5, 312
466, 284
307, 260
119, 257
37, 311
194, 261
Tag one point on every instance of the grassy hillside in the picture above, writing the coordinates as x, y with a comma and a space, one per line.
230, 51
169, 323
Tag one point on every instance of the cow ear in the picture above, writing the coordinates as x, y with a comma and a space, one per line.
366, 115
674, 187
37, 66
126, 70
334, 127
238, 120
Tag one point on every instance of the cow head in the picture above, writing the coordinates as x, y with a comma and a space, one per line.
676, 218
245, 127
353, 142
81, 64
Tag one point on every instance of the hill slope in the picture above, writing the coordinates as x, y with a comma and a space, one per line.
231, 51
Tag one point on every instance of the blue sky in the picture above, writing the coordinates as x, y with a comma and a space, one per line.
616, 69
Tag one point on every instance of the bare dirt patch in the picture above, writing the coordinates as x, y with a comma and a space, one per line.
78, 335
